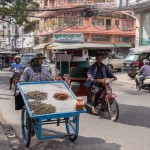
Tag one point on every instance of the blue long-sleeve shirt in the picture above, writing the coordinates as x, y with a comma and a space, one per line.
105, 71
145, 70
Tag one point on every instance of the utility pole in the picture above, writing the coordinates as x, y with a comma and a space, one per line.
120, 3
127, 2
15, 37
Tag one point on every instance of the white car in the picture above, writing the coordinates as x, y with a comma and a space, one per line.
114, 62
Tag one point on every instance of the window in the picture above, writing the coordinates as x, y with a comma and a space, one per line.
132, 57
120, 56
99, 1
127, 25
45, 3
145, 39
37, 40
98, 21
108, 23
70, 21
72, 1
123, 39
101, 38
60, 20
60, 1
66, 14
81, 22
117, 23
82, 1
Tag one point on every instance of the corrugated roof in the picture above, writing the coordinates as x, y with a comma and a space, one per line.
65, 46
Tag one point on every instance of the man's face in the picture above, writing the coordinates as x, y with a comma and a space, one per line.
40, 61
99, 59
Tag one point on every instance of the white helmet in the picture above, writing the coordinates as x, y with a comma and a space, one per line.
146, 61
17, 57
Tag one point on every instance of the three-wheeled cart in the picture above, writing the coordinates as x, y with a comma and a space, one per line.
65, 112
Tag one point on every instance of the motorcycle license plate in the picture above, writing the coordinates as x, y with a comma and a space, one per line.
128, 65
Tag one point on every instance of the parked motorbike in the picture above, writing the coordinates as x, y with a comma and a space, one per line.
1, 65
146, 83
107, 100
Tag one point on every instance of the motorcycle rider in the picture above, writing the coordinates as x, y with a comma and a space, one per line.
99, 71
144, 72
15, 66
35, 66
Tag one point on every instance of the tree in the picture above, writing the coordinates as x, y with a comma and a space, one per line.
16, 10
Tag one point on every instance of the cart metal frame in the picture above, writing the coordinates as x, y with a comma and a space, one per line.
33, 124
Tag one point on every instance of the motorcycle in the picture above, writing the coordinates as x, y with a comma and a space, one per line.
107, 100
16, 78
146, 84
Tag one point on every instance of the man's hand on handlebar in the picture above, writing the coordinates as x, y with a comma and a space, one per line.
94, 80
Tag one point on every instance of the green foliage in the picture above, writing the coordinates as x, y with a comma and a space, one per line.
17, 10
30, 26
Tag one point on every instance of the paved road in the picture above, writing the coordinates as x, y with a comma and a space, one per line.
131, 132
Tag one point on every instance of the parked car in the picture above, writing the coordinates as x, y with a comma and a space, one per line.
134, 61
113, 61
47, 65
26, 57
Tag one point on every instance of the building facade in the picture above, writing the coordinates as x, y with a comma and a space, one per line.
142, 41
117, 28
7, 35
2, 35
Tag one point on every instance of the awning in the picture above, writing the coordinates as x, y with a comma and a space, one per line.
67, 46
8, 52
40, 46
123, 45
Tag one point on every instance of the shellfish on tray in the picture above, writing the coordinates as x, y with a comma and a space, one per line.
60, 96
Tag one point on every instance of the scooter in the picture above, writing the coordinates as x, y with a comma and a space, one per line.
146, 84
107, 100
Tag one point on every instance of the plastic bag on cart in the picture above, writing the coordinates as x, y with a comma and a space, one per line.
19, 103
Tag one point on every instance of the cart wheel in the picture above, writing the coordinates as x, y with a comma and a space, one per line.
72, 127
26, 127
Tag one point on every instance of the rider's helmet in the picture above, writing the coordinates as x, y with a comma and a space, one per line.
17, 57
38, 56
146, 62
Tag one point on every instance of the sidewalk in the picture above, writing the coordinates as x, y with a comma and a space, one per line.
4, 143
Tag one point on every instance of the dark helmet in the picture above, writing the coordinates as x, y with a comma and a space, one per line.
38, 55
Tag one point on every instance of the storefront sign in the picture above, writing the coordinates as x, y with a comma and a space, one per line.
68, 38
